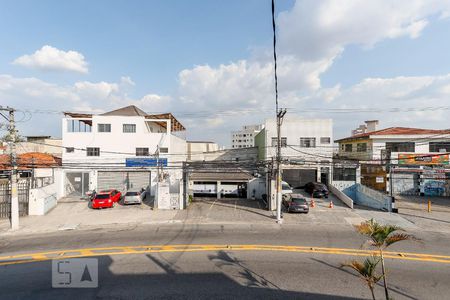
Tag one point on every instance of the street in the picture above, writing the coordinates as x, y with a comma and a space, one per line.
222, 274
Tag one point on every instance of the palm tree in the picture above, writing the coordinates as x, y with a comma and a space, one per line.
367, 271
381, 237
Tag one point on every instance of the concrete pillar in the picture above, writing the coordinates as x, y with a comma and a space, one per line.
219, 188
318, 174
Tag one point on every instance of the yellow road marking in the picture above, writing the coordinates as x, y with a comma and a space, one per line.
122, 250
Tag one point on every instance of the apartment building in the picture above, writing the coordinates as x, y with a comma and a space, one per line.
245, 137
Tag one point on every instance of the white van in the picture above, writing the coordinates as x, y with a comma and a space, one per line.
285, 188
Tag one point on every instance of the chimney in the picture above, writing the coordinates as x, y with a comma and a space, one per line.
371, 125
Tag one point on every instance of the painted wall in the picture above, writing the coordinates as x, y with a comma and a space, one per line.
42, 200
341, 195
365, 196
124, 144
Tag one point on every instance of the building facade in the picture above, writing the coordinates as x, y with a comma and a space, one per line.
416, 159
122, 149
245, 137
306, 148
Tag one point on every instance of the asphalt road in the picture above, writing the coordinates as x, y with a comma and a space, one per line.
222, 274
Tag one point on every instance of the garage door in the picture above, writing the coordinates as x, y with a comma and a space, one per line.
122, 180
299, 177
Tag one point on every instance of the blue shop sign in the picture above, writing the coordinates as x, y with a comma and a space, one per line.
145, 162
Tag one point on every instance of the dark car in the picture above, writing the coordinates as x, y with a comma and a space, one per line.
317, 189
296, 204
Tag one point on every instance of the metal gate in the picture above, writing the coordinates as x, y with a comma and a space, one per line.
123, 180
23, 191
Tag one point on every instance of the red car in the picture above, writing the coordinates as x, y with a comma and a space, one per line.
105, 199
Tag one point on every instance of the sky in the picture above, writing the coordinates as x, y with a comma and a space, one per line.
210, 62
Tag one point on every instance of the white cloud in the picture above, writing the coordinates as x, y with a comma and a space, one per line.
51, 58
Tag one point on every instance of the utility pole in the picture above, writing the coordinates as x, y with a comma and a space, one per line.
12, 139
279, 114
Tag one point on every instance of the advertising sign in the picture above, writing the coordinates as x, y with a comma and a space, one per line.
423, 159
145, 162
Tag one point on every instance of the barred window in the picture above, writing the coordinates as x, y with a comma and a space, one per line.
163, 150
129, 128
93, 151
325, 140
104, 127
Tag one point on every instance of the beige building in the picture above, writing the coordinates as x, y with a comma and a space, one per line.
41, 144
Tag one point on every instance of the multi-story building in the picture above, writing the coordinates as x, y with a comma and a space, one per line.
245, 137
121, 149
306, 148
410, 151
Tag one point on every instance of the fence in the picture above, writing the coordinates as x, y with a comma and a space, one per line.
23, 187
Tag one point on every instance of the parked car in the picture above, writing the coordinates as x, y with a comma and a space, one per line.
134, 197
105, 199
317, 189
296, 204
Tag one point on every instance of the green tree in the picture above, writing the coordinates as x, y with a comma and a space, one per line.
367, 271
382, 236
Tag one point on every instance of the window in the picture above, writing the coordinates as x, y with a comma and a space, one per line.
307, 142
342, 147
344, 174
93, 151
283, 142
163, 150
129, 128
104, 127
79, 125
400, 146
70, 149
439, 146
348, 147
142, 152
325, 140
361, 147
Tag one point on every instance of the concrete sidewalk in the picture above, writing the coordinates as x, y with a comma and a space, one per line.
74, 214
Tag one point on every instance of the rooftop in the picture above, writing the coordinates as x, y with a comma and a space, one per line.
30, 160
398, 131
134, 111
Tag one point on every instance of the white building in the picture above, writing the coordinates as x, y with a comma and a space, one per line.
306, 148
196, 149
245, 137
121, 149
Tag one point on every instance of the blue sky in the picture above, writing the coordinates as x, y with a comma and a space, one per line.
202, 58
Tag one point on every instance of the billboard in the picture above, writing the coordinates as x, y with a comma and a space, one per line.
145, 162
423, 159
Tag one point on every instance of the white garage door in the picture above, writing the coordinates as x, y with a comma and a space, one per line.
299, 177
122, 181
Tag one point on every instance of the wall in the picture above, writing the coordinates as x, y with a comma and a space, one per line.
25, 147
115, 141
256, 188
341, 195
365, 196
405, 184
293, 128
196, 150
42, 200
240, 154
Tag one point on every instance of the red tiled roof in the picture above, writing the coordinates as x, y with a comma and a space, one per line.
30, 160
398, 131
